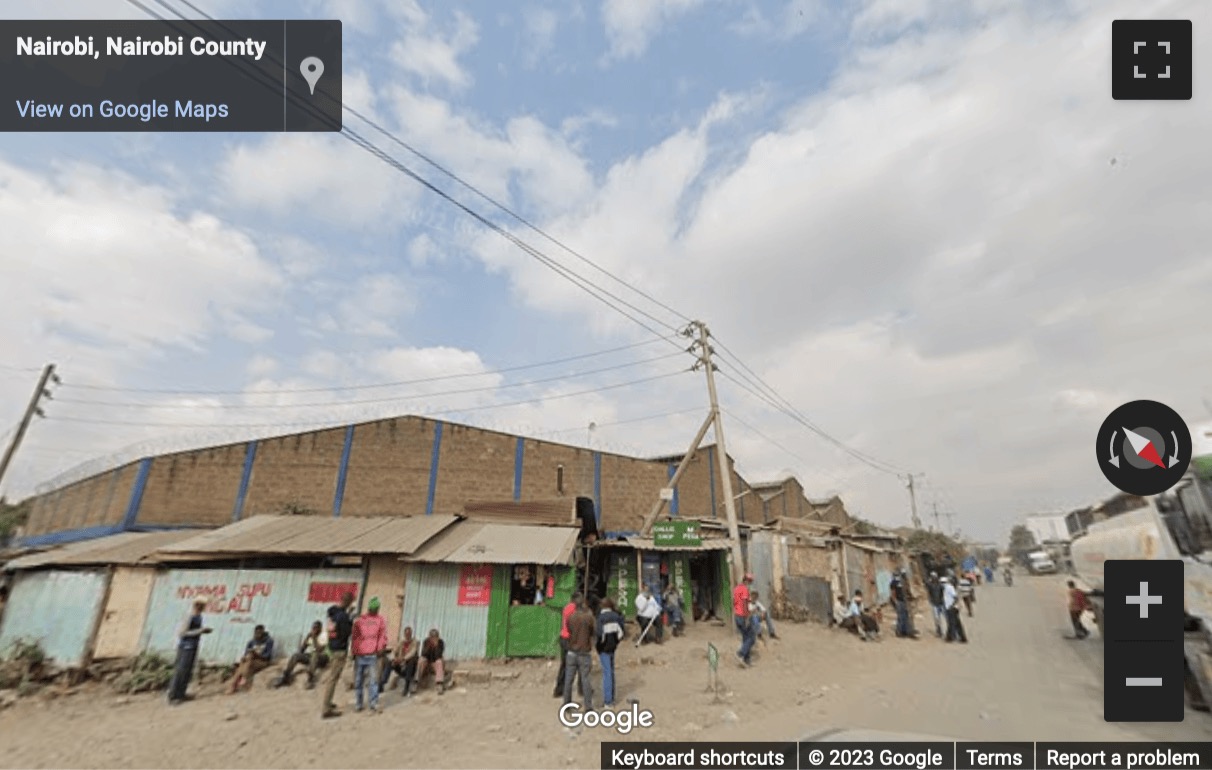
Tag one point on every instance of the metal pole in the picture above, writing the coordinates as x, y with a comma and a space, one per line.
917, 523
738, 559
47, 373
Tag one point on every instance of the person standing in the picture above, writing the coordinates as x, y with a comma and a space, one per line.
609, 634
967, 591
582, 629
934, 589
955, 626
565, 614
672, 600
189, 637
340, 627
740, 613
1078, 604
368, 644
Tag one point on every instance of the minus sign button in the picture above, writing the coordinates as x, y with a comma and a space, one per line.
1143, 681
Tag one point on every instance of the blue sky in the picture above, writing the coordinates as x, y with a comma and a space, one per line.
902, 215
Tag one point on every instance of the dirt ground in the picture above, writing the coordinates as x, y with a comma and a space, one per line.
1018, 679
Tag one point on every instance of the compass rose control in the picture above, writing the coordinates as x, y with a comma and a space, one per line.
1143, 448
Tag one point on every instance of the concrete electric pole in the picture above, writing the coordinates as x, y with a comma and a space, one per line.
702, 348
40, 392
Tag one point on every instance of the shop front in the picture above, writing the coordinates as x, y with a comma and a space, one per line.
699, 570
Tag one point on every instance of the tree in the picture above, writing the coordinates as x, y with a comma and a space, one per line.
1022, 541
11, 517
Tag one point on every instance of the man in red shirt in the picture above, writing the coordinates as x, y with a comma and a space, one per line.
1078, 603
740, 613
569, 608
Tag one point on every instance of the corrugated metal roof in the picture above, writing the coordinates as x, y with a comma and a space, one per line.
552, 512
126, 548
475, 542
647, 544
305, 535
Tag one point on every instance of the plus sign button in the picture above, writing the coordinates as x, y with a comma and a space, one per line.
1143, 601
1150, 59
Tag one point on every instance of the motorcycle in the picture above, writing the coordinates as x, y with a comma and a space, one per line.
1009, 577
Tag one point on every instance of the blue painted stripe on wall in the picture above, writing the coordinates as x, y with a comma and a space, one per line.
70, 536
250, 454
433, 467
597, 487
711, 479
339, 496
136, 493
673, 504
517, 468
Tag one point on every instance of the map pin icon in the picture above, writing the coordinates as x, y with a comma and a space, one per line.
312, 68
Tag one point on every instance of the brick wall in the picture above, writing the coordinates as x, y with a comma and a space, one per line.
388, 474
193, 487
99, 500
299, 472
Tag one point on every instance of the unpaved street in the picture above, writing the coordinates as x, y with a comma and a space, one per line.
1018, 679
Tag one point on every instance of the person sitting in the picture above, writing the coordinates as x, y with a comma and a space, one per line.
840, 611
433, 652
258, 654
403, 663
859, 620
313, 654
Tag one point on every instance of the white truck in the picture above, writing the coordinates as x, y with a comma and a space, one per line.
1040, 563
1176, 525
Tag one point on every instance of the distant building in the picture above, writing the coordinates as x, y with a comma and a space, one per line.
1049, 528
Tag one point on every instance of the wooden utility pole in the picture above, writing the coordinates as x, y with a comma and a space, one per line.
714, 419
917, 523
40, 392
937, 526
721, 452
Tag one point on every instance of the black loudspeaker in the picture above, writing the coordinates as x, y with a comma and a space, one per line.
587, 517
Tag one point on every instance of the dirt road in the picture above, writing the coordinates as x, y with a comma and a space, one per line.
1018, 679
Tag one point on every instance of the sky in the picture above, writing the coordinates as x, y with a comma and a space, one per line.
924, 224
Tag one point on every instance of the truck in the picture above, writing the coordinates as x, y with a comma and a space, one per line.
1174, 525
1040, 563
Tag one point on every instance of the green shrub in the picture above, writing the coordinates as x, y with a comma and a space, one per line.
148, 672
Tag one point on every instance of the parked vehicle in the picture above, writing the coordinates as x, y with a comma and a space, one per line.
1177, 525
1040, 563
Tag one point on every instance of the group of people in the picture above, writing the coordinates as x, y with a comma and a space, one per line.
651, 609
364, 638
945, 597
590, 625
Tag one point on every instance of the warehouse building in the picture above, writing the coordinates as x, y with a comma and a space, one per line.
405, 466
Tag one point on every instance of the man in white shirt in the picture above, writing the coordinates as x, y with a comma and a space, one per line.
859, 621
955, 627
648, 610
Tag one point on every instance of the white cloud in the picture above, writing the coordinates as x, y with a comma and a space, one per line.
316, 176
431, 55
261, 365
105, 274
373, 303
931, 281
631, 24
540, 25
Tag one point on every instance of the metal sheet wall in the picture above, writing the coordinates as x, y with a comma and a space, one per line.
240, 599
58, 609
431, 600
761, 564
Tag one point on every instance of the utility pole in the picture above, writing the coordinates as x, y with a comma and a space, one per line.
702, 347
950, 526
937, 528
40, 392
917, 523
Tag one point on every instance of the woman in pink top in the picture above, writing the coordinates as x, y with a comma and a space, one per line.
368, 644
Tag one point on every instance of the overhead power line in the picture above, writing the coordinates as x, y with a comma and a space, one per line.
603, 295
395, 138
337, 423
755, 431
369, 386
384, 400
612, 423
